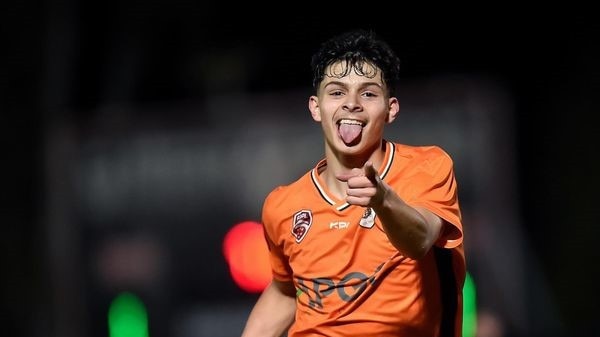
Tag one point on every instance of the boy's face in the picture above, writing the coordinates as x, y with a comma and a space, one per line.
353, 109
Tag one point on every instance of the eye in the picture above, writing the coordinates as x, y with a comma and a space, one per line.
336, 93
369, 94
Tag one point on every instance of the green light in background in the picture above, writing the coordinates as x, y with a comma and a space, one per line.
127, 317
469, 308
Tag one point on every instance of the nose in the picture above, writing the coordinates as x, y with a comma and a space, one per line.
352, 103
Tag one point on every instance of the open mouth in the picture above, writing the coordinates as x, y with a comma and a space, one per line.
350, 130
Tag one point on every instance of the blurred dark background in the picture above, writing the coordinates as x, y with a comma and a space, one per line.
88, 91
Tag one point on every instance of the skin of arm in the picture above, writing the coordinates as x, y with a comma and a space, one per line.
411, 230
274, 311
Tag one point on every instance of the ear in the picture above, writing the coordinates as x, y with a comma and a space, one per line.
394, 109
313, 106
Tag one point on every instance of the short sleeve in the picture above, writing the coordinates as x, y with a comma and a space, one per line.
434, 187
270, 220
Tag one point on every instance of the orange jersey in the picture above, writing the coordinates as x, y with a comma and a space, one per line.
350, 280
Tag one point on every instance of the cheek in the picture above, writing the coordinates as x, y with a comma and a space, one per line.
328, 125
327, 113
378, 125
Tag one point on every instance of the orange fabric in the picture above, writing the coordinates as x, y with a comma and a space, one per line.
351, 281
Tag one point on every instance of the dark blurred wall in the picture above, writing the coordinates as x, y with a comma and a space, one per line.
558, 105
22, 286
68, 61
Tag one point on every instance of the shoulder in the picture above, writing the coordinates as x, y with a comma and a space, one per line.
420, 151
279, 193
429, 158
281, 196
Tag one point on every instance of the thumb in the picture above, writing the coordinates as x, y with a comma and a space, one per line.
371, 173
355, 172
344, 176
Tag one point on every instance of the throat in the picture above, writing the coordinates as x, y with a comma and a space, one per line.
335, 187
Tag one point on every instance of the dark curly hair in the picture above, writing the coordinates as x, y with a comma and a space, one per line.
356, 48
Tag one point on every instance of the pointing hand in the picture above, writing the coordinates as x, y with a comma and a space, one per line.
365, 187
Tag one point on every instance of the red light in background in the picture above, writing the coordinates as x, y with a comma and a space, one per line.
247, 255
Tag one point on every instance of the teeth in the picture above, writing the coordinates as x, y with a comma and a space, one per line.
350, 121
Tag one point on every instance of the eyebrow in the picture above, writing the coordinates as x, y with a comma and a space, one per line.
362, 85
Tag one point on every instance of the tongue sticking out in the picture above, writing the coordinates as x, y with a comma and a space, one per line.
350, 133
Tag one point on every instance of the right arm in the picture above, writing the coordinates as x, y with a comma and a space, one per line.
274, 311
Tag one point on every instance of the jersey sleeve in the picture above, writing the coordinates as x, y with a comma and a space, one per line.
435, 189
271, 221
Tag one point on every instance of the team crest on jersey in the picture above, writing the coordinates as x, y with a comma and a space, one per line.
368, 219
302, 221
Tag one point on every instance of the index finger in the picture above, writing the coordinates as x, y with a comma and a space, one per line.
371, 173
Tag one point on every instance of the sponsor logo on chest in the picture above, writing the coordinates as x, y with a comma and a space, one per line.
368, 218
303, 220
339, 224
